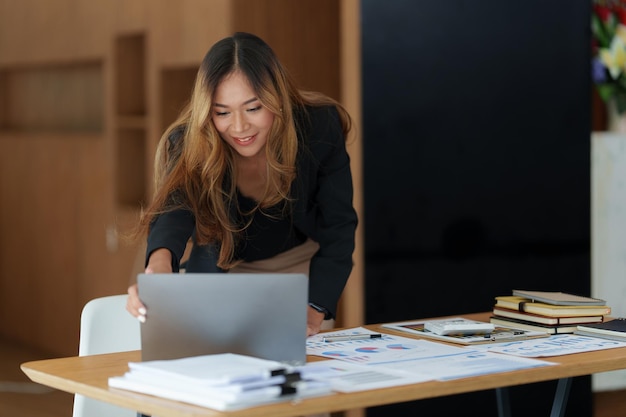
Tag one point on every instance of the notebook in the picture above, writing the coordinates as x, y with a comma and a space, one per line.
261, 315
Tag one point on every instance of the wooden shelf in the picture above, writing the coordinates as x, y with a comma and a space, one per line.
176, 87
130, 80
130, 121
56, 98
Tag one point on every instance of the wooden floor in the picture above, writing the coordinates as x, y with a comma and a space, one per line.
21, 398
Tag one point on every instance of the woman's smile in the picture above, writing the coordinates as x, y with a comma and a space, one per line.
239, 116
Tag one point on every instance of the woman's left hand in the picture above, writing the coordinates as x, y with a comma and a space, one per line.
313, 321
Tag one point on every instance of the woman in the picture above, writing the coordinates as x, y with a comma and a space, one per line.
256, 173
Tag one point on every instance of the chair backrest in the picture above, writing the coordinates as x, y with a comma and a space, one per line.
105, 327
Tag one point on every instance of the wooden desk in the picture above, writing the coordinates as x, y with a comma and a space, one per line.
88, 375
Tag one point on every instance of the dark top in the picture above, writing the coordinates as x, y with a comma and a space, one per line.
322, 211
271, 232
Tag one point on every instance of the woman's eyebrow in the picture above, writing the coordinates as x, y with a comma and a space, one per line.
253, 99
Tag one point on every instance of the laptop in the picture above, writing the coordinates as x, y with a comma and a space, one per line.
193, 314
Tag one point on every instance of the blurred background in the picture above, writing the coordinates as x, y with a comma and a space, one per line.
471, 151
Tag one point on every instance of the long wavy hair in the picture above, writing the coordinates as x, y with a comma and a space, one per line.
197, 171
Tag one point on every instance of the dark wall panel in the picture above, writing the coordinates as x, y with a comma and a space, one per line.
476, 159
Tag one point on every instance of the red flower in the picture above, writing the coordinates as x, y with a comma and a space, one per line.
620, 13
603, 12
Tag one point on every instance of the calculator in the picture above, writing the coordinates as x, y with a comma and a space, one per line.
444, 327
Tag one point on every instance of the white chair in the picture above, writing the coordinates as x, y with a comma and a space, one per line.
105, 327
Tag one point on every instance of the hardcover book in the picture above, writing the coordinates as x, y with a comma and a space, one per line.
527, 305
524, 325
538, 318
559, 298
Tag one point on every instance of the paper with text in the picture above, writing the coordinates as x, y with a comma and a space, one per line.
556, 345
430, 359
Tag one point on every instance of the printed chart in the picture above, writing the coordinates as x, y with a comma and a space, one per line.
429, 359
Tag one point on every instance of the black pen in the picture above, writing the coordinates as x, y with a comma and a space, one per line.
348, 337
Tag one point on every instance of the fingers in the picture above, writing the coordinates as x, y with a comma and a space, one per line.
134, 304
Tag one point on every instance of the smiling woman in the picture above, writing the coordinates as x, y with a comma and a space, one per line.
256, 173
241, 120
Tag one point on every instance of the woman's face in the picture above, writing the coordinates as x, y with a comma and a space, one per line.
240, 118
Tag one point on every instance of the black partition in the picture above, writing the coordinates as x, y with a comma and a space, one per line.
476, 166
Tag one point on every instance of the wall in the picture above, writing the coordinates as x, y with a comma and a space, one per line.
57, 195
476, 119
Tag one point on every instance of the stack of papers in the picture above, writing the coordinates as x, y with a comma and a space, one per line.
222, 381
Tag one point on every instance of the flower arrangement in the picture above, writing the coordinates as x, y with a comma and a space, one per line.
608, 28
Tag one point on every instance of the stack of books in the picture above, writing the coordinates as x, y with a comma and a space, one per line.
548, 311
222, 381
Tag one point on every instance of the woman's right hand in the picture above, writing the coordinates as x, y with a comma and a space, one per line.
160, 262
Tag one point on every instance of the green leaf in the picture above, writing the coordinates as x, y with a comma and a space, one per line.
597, 28
611, 25
620, 103
606, 91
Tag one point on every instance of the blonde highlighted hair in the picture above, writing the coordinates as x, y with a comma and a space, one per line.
194, 167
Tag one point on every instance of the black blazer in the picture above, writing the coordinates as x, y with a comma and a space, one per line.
322, 211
